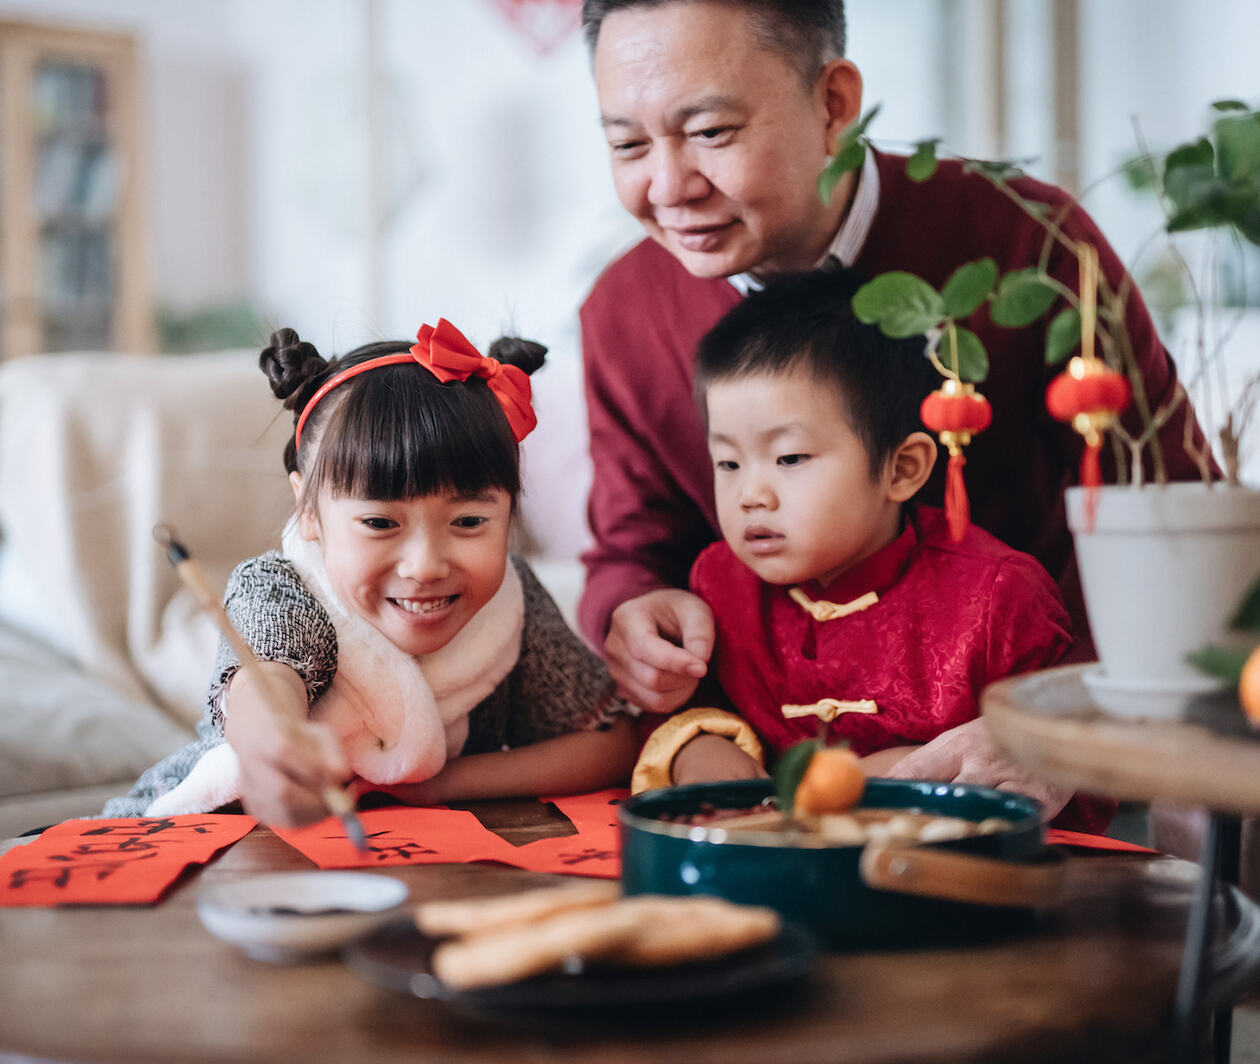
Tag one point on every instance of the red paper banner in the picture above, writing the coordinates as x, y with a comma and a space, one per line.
1063, 837
125, 861
406, 835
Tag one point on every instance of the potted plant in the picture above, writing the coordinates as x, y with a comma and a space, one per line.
1161, 563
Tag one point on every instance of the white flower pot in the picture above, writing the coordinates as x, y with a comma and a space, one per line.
1163, 571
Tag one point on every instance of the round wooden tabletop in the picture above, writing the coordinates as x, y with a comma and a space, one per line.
1093, 980
1048, 723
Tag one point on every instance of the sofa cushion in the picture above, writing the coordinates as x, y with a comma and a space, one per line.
94, 451
60, 728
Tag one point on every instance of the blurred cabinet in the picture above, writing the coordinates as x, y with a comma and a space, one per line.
72, 235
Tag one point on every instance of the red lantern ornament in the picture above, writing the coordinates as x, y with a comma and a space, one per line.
956, 412
1089, 395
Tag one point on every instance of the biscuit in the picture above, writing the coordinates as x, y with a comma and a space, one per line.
505, 954
695, 928
472, 915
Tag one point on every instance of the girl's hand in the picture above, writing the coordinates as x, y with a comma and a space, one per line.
285, 764
712, 758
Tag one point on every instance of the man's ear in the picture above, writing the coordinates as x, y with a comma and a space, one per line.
841, 86
308, 525
910, 465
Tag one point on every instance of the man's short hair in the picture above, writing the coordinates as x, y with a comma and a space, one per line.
806, 33
805, 321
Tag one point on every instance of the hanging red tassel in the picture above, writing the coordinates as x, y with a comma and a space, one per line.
957, 508
1089, 395
956, 411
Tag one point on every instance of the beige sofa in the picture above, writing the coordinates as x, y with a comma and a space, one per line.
103, 656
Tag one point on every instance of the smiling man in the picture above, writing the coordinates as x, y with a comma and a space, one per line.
719, 116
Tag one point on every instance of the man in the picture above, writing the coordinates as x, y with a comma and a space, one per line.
720, 115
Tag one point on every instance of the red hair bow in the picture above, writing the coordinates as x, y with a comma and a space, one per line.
448, 355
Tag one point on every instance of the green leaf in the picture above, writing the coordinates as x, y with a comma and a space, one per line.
1022, 297
1197, 153
900, 303
973, 359
968, 287
789, 770
1230, 105
922, 164
1247, 616
999, 172
1139, 172
1238, 147
850, 157
1224, 664
858, 130
1064, 336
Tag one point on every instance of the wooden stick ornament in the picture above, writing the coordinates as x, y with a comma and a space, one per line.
338, 801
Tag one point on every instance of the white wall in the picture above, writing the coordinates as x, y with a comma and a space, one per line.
497, 206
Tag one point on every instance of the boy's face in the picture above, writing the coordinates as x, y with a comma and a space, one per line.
795, 497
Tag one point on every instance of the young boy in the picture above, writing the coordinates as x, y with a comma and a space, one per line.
834, 596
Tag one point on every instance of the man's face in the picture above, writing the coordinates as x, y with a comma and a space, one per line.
717, 142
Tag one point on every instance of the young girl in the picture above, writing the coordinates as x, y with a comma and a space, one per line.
415, 655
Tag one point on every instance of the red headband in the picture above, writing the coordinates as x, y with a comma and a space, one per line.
448, 355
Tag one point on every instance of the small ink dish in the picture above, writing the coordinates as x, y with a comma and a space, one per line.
290, 917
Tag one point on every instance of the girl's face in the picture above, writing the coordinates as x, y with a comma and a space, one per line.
792, 480
416, 569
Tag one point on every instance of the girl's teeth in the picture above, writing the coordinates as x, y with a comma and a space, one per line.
423, 606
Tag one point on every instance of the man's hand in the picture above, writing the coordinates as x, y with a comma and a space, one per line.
966, 754
711, 759
658, 648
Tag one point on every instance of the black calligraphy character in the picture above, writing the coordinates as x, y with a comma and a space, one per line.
589, 853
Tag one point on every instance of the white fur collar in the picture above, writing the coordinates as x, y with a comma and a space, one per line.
400, 718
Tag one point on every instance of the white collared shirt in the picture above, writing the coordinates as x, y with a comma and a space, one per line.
850, 238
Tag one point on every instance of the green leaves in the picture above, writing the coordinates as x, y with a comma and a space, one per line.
968, 287
973, 359
1224, 664
900, 303
1215, 181
922, 164
1022, 297
1064, 336
789, 770
1247, 617
850, 155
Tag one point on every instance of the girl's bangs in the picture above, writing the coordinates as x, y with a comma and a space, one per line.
399, 435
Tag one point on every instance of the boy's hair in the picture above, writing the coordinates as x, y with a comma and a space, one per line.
806, 33
806, 321
395, 432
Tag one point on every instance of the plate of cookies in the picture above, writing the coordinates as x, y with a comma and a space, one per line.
582, 946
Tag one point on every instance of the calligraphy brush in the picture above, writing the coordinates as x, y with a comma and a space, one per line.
336, 799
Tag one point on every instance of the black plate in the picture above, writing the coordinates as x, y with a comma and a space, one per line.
397, 956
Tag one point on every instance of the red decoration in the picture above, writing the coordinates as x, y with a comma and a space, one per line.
956, 412
1089, 395
545, 22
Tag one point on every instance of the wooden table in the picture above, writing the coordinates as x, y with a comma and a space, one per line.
1047, 722
1096, 981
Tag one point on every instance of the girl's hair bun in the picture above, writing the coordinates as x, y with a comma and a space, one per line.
523, 354
291, 365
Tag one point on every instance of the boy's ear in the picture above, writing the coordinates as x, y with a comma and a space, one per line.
910, 465
308, 526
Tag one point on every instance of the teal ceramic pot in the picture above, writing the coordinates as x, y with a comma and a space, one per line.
822, 886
